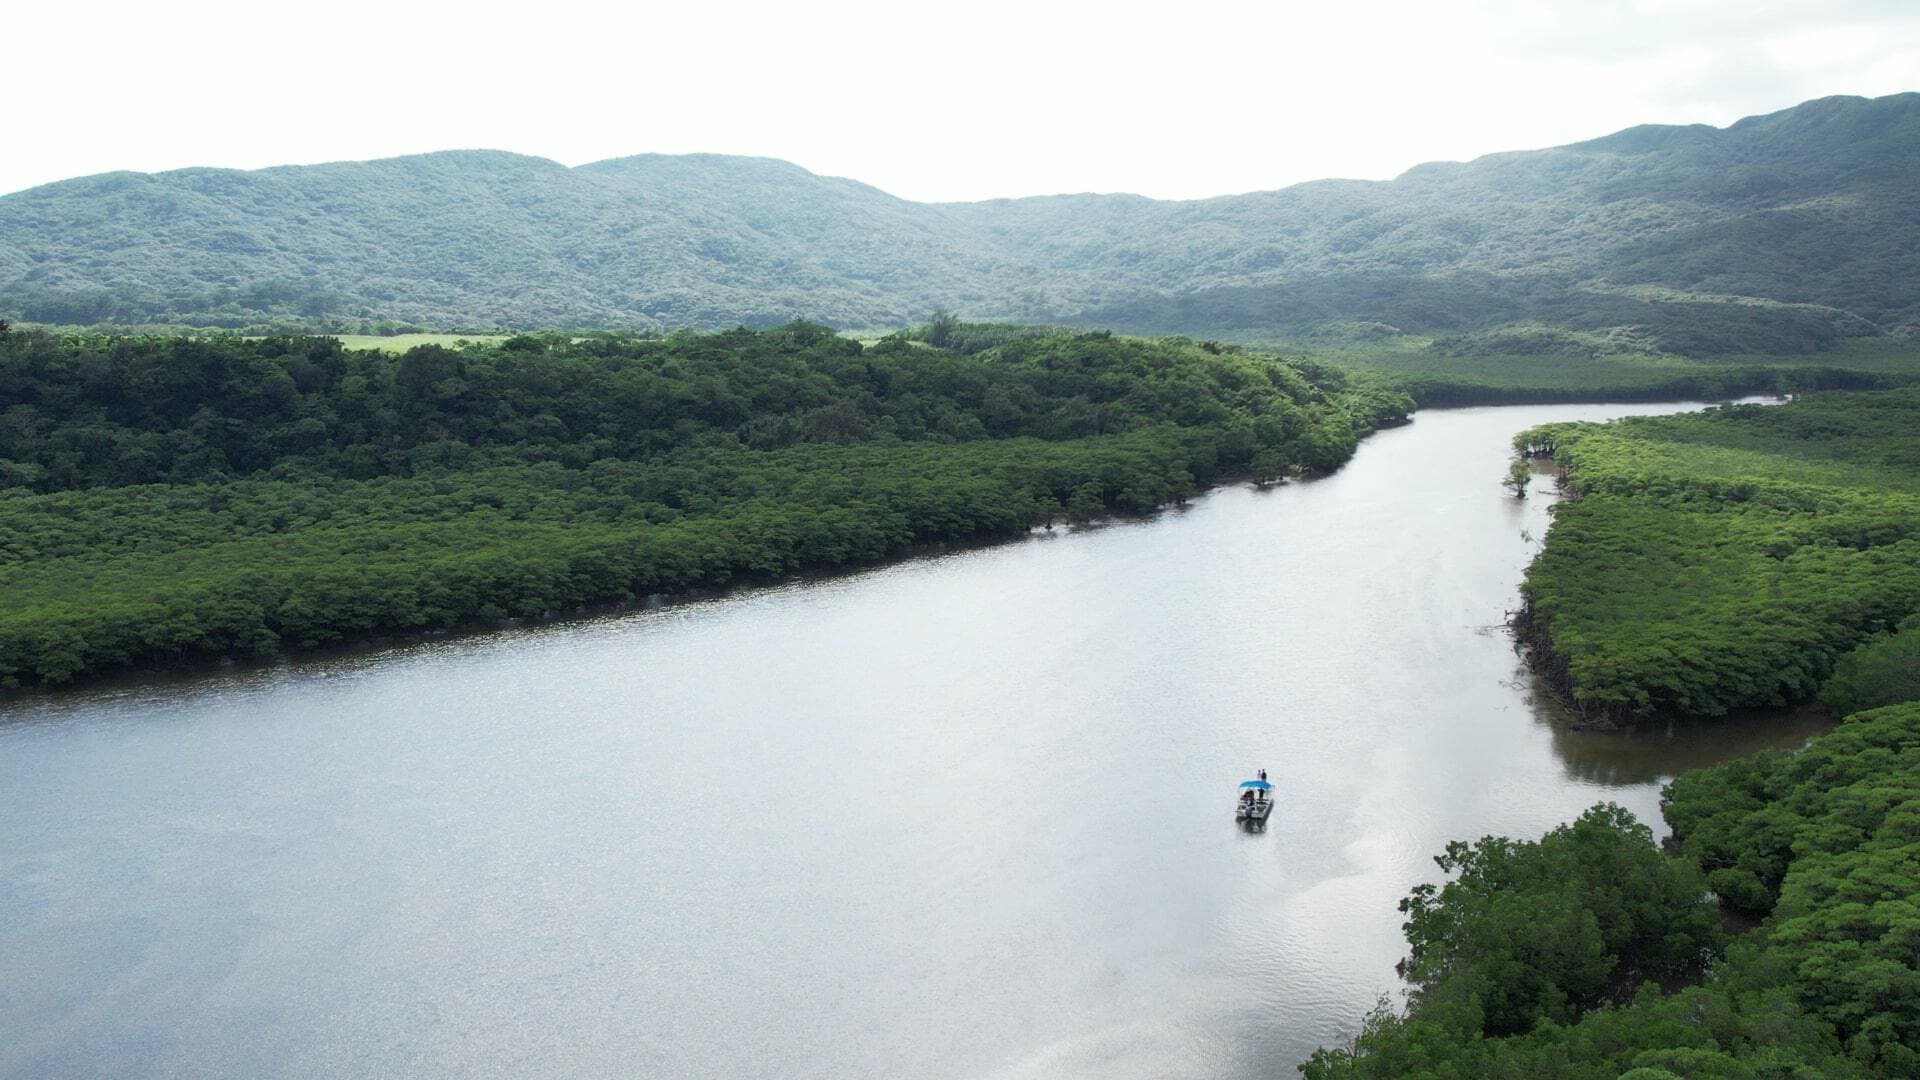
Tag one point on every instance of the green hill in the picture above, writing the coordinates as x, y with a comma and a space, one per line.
1781, 233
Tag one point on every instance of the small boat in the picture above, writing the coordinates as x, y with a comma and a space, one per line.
1255, 804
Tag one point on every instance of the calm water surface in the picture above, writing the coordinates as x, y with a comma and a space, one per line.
967, 816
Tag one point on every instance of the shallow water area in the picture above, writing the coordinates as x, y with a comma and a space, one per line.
964, 816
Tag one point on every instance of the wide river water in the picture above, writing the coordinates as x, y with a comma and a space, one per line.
964, 816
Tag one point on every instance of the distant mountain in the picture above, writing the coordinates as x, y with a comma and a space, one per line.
1783, 232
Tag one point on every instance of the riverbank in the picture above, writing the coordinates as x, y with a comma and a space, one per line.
1808, 856
346, 495
1701, 564
1725, 560
187, 672
875, 782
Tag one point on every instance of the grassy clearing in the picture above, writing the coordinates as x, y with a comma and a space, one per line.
1434, 378
399, 343
1497, 367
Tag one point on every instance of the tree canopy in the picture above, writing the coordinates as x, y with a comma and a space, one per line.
1726, 559
1737, 557
171, 499
1525, 965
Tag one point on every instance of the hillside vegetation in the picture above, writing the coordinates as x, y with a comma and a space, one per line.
1726, 559
173, 499
1782, 234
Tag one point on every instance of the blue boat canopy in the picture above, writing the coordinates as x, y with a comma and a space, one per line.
1261, 784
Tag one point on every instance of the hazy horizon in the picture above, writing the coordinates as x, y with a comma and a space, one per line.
990, 198
1014, 101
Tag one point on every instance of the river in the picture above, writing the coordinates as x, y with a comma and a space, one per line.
966, 816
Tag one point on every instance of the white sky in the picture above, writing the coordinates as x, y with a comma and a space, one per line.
961, 101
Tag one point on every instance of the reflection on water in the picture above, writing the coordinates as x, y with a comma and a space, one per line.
961, 817
1657, 752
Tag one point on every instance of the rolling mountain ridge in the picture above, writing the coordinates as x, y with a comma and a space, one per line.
1784, 232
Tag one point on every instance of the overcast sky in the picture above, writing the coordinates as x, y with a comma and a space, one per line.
1180, 98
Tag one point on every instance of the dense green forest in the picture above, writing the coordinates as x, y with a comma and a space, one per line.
1787, 234
168, 499
1730, 559
1589, 955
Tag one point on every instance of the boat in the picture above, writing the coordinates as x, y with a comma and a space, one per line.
1255, 802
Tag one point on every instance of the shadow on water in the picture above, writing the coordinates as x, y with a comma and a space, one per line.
1659, 750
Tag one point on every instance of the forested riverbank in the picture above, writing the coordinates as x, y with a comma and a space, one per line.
1740, 557
171, 500
1729, 559
175, 500
1549, 958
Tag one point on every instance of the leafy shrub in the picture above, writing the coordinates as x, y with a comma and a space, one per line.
1883, 671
